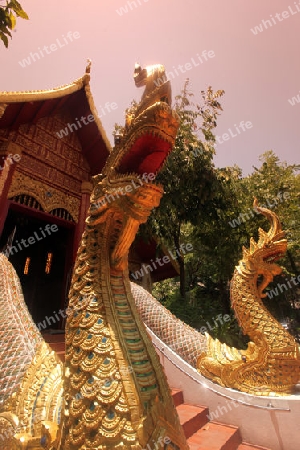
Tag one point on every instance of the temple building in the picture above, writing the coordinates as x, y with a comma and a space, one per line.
51, 144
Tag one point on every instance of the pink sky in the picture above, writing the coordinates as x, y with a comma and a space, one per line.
259, 73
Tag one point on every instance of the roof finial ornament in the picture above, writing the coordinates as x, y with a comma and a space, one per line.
88, 67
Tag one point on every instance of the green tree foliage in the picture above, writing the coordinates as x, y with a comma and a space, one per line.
209, 268
217, 248
188, 177
8, 14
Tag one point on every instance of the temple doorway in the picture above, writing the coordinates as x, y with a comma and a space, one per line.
41, 254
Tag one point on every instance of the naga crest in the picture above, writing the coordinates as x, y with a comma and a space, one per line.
262, 255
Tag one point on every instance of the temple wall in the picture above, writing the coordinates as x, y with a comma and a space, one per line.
49, 160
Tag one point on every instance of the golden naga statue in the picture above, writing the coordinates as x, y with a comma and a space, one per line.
112, 392
271, 363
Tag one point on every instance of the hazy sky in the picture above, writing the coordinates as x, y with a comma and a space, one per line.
212, 42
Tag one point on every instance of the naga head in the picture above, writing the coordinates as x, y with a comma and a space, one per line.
262, 255
125, 190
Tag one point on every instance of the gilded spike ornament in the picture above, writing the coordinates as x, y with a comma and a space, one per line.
271, 363
113, 393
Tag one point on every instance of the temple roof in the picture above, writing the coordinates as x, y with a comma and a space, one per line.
148, 251
17, 108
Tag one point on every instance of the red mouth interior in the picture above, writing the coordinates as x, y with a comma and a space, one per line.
147, 155
274, 256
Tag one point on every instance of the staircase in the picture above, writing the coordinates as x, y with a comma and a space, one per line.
201, 433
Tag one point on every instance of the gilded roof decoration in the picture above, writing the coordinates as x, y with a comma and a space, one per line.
48, 197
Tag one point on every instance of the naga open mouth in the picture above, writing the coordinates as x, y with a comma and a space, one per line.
277, 254
147, 155
150, 140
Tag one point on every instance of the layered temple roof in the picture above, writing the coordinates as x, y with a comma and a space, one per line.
17, 108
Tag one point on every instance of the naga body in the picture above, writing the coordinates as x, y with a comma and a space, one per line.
116, 395
271, 363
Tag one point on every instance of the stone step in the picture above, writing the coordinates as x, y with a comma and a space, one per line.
215, 436
192, 418
177, 397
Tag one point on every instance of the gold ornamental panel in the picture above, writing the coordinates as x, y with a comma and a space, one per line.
48, 197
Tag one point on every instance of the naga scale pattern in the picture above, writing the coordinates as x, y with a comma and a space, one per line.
181, 338
31, 388
19, 336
